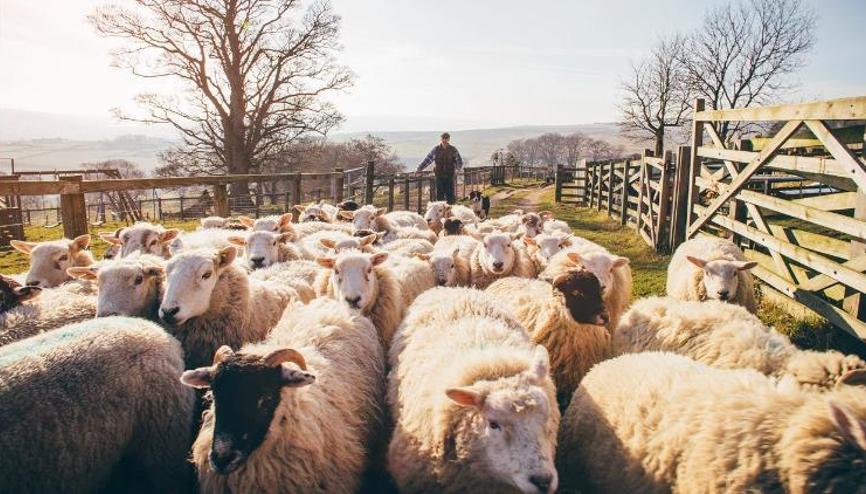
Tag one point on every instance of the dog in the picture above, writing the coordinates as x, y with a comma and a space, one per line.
480, 204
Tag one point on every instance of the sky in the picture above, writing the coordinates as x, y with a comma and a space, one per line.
422, 65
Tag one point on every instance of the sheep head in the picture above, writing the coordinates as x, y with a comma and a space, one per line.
12, 294
582, 293
49, 260
190, 280
247, 388
436, 212
127, 287
721, 276
498, 254
533, 224
261, 249
352, 278
600, 263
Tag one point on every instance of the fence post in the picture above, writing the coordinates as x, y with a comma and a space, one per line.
391, 193
624, 193
420, 193
599, 182
371, 176
610, 176
296, 195
557, 184
664, 202
406, 193
181, 206
338, 180
465, 177
73, 209
640, 194
694, 164
679, 199
221, 201
431, 188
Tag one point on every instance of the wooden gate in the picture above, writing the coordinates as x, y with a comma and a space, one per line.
570, 183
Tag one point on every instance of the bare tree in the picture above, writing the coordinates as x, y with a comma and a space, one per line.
573, 146
550, 149
254, 72
744, 51
657, 96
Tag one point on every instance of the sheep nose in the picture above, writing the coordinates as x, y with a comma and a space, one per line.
225, 462
723, 294
168, 315
32, 283
353, 301
541, 481
498, 264
257, 261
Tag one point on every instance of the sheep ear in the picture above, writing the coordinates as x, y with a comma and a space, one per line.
286, 237
540, 367
477, 235
528, 241
246, 221
22, 246
369, 239
465, 397
154, 270
175, 246
110, 238
294, 378
423, 257
574, 257
746, 265
851, 427
620, 262
379, 258
198, 378
80, 242
226, 256
566, 240
547, 215
514, 235
26, 292
326, 262
856, 377
327, 242
298, 208
82, 272
168, 235
235, 240
285, 219
346, 215
455, 252
381, 211
697, 261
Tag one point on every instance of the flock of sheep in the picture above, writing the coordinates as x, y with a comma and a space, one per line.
450, 353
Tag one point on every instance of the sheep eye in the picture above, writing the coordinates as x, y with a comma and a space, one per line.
336, 271
452, 266
62, 258
494, 425
153, 242
139, 279
275, 243
206, 275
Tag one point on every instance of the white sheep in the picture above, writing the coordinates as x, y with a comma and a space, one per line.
612, 271
275, 224
509, 223
212, 222
302, 230
362, 282
567, 317
131, 286
407, 247
552, 225
33, 310
497, 257
299, 275
438, 211
297, 412
81, 404
329, 244
143, 238
660, 422
317, 211
49, 260
396, 224
414, 276
708, 268
532, 224
209, 302
215, 238
262, 249
728, 336
450, 260
545, 245
472, 401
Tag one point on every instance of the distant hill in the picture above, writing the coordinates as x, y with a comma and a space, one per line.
45, 141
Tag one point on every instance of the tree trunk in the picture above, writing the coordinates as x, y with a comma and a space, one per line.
660, 141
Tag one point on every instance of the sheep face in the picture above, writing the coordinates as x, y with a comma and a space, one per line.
601, 264
261, 249
547, 245
190, 280
49, 260
353, 278
508, 425
444, 265
582, 293
348, 243
498, 254
274, 224
247, 390
721, 276
313, 212
364, 218
127, 287
145, 238
12, 294
533, 224
436, 212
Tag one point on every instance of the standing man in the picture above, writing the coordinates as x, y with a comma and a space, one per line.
448, 161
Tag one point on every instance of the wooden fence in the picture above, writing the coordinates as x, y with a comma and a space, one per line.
408, 191
793, 198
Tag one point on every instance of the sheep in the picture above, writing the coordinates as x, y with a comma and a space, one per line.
45, 309
12, 294
660, 422
544, 246
531, 224
498, 257
361, 281
274, 224
263, 249
438, 211
371, 218
613, 272
320, 211
340, 243
304, 230
414, 276
216, 238
450, 260
566, 317
213, 222
144, 238
509, 223
209, 302
294, 413
471, 398
727, 336
451, 227
132, 286
49, 260
552, 225
82, 404
113, 250
408, 247
298, 275
711, 268
347, 205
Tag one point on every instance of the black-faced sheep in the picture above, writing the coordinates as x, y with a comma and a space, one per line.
49, 260
660, 422
294, 413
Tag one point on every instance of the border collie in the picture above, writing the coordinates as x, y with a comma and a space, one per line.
480, 204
